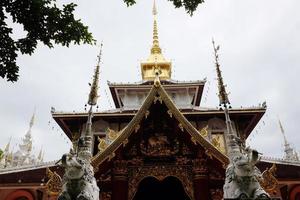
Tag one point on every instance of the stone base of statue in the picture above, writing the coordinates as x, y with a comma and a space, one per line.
241, 173
79, 182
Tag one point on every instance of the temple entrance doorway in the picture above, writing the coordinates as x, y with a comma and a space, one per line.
152, 189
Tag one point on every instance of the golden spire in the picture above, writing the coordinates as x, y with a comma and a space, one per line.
84, 148
93, 96
223, 95
155, 45
233, 144
156, 63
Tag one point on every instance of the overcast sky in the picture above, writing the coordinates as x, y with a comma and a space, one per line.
260, 47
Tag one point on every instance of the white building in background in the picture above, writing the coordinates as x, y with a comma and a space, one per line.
24, 155
290, 153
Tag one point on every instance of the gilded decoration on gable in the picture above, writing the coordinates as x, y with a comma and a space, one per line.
216, 194
268, 181
170, 113
111, 156
54, 184
159, 145
160, 173
147, 113
181, 127
157, 98
137, 128
125, 142
193, 140
204, 131
102, 144
218, 141
110, 136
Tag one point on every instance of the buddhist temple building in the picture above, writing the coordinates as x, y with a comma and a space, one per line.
290, 153
159, 142
24, 155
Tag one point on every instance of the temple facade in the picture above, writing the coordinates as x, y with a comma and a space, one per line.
158, 143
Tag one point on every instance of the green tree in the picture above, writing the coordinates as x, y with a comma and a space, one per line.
42, 21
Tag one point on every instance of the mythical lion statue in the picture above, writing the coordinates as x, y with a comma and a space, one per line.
240, 181
79, 181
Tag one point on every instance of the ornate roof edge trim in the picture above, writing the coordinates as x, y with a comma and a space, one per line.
279, 161
195, 110
28, 167
209, 148
170, 82
126, 132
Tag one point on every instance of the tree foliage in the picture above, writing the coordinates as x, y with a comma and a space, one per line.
42, 21
189, 5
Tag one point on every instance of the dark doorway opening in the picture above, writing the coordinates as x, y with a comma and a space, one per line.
152, 189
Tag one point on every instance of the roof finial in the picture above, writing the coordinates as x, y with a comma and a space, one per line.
31, 123
154, 10
6, 149
156, 61
283, 133
32, 119
223, 95
40, 156
93, 96
289, 152
233, 142
155, 46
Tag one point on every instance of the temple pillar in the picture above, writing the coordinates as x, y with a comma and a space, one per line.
120, 181
201, 180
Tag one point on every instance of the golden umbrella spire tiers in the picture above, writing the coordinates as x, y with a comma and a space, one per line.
93, 95
223, 95
156, 64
